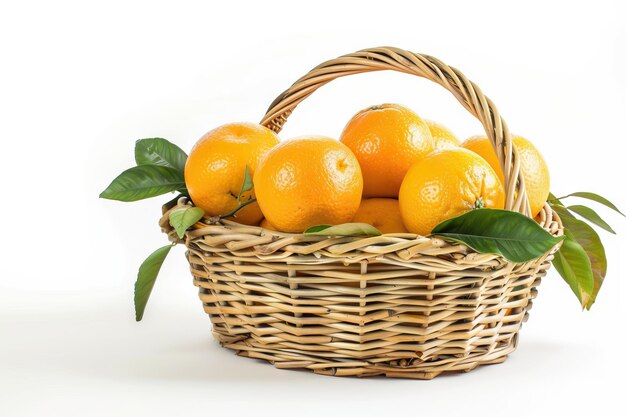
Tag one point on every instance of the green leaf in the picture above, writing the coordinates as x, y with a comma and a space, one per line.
592, 245
317, 228
346, 229
246, 185
143, 181
589, 240
562, 211
553, 200
148, 272
572, 263
510, 234
158, 151
183, 218
592, 216
594, 197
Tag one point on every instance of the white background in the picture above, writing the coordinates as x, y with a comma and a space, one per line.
79, 82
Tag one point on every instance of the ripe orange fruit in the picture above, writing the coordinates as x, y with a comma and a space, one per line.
534, 168
266, 225
386, 139
446, 184
443, 138
308, 181
382, 213
216, 167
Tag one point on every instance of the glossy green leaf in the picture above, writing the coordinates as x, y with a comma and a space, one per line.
572, 263
594, 197
510, 234
158, 151
592, 216
346, 229
183, 218
143, 181
246, 185
148, 272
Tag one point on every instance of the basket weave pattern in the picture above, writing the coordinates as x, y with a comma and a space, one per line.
399, 305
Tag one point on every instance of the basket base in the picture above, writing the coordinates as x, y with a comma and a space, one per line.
401, 368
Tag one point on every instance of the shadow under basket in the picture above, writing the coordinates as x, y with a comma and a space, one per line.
398, 305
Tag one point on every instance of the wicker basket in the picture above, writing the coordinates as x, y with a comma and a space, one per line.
399, 305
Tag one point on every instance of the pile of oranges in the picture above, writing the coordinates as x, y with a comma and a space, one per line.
390, 169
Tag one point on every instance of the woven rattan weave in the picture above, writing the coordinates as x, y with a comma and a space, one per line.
399, 305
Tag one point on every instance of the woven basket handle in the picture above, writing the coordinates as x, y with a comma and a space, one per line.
387, 58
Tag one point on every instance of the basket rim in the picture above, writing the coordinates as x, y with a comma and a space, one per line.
548, 219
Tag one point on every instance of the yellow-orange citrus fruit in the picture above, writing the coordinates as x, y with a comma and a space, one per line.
386, 139
534, 167
308, 181
266, 225
216, 167
446, 184
382, 213
443, 138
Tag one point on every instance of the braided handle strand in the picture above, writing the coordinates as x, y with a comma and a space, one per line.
388, 58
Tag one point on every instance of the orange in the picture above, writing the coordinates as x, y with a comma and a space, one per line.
534, 168
308, 181
386, 139
442, 136
266, 225
216, 167
382, 213
446, 184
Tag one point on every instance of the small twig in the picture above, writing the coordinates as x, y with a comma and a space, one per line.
232, 213
216, 219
